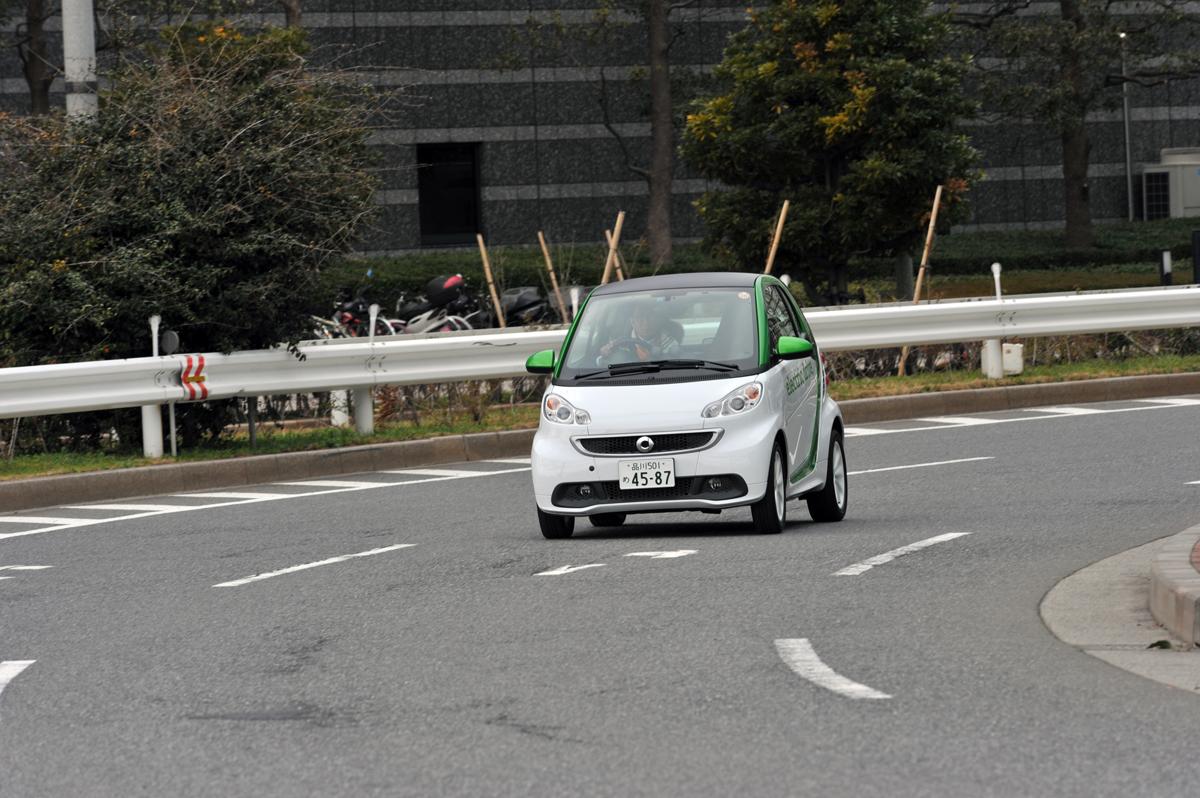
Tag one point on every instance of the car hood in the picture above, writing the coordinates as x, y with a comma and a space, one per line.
656, 407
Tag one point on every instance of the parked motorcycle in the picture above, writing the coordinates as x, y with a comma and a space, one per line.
445, 305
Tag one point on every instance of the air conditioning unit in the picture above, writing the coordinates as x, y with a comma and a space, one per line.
1171, 188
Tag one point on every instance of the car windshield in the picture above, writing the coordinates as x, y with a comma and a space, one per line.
697, 333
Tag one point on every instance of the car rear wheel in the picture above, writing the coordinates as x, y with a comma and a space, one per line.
607, 519
829, 503
555, 527
770, 512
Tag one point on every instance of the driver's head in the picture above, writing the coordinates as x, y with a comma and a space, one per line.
645, 320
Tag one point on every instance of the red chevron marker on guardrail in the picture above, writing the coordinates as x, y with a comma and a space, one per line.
193, 377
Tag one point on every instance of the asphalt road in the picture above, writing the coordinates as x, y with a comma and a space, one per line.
451, 667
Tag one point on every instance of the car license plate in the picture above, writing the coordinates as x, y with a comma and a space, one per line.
638, 474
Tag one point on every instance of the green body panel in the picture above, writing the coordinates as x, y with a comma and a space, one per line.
764, 338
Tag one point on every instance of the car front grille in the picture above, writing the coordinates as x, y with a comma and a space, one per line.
664, 443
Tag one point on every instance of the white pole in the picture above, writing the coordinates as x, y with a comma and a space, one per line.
993, 351
152, 434
79, 57
364, 411
1125, 120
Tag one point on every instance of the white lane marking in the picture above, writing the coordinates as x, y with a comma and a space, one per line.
328, 483
145, 508
510, 460
919, 465
11, 668
306, 566
957, 421
1197, 482
24, 567
1068, 411
568, 569
1166, 404
888, 556
5, 577
1171, 401
436, 472
241, 503
230, 495
38, 519
798, 654
854, 432
662, 555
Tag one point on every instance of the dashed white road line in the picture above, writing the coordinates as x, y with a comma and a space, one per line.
920, 465
436, 472
24, 567
37, 519
11, 668
144, 508
957, 422
888, 556
662, 555
510, 460
569, 569
329, 483
798, 654
1197, 482
1073, 411
306, 566
230, 495
84, 522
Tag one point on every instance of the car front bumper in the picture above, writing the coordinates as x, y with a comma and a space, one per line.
738, 459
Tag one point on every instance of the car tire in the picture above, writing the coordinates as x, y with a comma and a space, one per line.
829, 503
607, 519
770, 512
555, 527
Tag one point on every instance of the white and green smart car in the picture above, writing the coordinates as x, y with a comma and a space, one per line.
686, 392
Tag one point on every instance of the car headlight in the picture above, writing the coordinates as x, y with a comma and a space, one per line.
560, 411
737, 401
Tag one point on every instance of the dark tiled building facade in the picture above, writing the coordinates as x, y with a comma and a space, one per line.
511, 130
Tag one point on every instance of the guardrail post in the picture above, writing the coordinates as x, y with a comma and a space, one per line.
992, 356
1164, 268
152, 433
364, 410
339, 414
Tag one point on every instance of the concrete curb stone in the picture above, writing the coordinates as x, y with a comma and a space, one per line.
34, 492
1175, 586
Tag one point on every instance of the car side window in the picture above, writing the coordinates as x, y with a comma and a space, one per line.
780, 320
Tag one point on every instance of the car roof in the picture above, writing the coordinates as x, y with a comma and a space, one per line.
688, 280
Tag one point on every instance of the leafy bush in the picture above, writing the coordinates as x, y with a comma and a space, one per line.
221, 173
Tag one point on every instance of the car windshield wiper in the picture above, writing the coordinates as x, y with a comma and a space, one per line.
651, 366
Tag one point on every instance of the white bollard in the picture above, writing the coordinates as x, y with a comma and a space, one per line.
339, 414
79, 57
152, 433
364, 410
993, 359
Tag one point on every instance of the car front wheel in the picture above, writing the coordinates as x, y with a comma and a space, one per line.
829, 503
555, 527
770, 512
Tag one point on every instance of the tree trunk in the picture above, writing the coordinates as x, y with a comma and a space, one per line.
1076, 148
35, 57
291, 13
662, 139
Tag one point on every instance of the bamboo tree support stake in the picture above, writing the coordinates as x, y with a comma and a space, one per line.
562, 308
612, 248
619, 263
937, 203
778, 235
487, 273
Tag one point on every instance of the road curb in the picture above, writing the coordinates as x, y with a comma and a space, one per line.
124, 483
34, 492
1014, 397
1175, 586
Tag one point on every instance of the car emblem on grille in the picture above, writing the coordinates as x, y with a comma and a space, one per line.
644, 444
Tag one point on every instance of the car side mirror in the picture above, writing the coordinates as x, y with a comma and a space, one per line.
540, 362
792, 348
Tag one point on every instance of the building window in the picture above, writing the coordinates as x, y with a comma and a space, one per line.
1158, 195
448, 193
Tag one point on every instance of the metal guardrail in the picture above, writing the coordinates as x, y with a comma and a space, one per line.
492, 354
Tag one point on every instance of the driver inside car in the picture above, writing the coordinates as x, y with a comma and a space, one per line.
651, 337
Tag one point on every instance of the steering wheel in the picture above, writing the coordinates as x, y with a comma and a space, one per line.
627, 345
